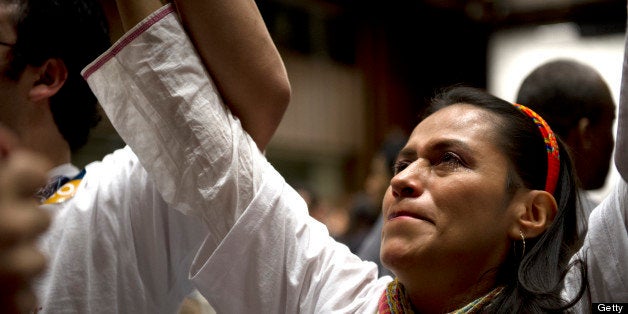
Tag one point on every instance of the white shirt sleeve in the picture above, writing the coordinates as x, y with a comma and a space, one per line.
605, 248
177, 125
264, 253
607, 239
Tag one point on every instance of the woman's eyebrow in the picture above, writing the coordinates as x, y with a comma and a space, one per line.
407, 153
452, 143
440, 144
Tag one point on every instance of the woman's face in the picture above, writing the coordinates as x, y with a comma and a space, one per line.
446, 211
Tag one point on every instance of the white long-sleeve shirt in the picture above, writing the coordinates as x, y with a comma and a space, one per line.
116, 246
264, 253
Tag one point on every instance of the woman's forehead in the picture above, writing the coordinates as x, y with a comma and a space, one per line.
459, 118
466, 125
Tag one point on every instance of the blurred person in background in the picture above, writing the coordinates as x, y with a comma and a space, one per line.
114, 245
578, 104
377, 182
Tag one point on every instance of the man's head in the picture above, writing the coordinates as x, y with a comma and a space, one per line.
57, 38
576, 101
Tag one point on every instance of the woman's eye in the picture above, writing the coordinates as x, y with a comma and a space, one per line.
400, 166
451, 159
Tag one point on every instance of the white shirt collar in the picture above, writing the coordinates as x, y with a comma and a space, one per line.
67, 170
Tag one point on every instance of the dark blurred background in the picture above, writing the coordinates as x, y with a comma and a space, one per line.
361, 70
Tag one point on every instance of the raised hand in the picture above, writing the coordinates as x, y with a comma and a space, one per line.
21, 222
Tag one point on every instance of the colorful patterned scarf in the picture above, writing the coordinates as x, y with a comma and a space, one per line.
395, 301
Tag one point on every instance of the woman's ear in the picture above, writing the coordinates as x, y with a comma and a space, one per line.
50, 78
534, 214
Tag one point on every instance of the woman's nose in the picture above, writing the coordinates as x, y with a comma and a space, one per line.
407, 183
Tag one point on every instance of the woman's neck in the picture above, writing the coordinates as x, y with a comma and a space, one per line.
440, 296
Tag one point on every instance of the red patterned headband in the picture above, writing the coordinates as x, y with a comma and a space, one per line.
551, 144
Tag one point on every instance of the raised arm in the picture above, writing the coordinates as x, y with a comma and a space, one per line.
239, 53
158, 96
134, 11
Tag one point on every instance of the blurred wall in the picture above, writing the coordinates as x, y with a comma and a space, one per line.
361, 68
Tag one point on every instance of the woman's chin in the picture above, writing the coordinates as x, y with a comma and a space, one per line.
397, 254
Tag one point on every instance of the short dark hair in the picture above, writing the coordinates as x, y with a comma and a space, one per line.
531, 285
74, 31
563, 91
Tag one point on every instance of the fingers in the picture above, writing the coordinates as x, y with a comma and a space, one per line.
20, 264
21, 300
21, 175
22, 221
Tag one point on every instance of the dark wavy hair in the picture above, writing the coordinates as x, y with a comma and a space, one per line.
532, 282
74, 31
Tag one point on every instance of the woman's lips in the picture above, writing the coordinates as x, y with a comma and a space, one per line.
403, 213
